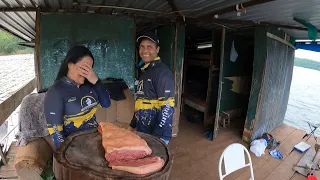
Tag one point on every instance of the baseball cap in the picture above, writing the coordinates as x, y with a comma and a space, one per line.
150, 35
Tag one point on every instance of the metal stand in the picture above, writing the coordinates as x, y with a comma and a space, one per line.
313, 128
3, 157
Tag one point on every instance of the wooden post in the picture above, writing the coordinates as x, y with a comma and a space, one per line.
175, 49
208, 121
185, 68
136, 53
216, 123
37, 51
176, 115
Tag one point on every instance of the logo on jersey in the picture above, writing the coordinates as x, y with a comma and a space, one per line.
140, 88
88, 102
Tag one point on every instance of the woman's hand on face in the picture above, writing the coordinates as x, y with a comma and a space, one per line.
86, 71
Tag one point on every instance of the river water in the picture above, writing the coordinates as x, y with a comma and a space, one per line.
15, 72
304, 99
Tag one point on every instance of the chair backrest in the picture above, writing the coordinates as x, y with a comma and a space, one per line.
234, 158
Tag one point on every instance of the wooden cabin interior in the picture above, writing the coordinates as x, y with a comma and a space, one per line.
202, 73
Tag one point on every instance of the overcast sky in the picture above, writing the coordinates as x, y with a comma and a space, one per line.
300, 53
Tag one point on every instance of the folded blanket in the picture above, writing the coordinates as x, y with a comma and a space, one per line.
32, 122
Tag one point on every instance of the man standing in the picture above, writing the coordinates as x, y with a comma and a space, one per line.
154, 106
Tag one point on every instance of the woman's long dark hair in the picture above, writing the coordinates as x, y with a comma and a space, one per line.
75, 54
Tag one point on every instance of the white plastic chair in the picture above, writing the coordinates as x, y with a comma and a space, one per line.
234, 158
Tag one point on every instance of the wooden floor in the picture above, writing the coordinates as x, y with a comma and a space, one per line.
8, 171
196, 158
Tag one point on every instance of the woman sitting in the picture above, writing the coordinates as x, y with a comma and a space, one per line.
71, 102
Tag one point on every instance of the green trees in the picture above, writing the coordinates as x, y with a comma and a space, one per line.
307, 63
9, 45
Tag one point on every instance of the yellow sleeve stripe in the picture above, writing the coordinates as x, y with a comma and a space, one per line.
51, 130
150, 104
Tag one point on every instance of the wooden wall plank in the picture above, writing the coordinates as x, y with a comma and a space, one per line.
10, 104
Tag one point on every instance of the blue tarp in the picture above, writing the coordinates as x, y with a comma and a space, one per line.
310, 47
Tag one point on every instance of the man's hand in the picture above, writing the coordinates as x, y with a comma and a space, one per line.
86, 71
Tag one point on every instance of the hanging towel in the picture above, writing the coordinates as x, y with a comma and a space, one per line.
233, 54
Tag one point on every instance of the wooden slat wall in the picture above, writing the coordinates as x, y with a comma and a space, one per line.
10, 104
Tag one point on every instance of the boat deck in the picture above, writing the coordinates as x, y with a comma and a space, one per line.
196, 158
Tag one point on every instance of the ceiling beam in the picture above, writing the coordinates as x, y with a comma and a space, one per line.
117, 4
87, 7
27, 44
253, 23
232, 8
102, 3
175, 9
17, 9
32, 9
47, 3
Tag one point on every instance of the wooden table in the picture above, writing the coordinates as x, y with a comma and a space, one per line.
81, 156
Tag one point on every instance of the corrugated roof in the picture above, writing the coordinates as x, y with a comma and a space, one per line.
22, 24
282, 12
205, 6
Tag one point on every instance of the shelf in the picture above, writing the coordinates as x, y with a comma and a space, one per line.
196, 62
204, 57
195, 103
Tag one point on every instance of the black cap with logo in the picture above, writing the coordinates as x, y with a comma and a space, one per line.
149, 35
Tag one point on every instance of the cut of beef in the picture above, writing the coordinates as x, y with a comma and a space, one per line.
126, 151
125, 155
139, 166
122, 144
136, 162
